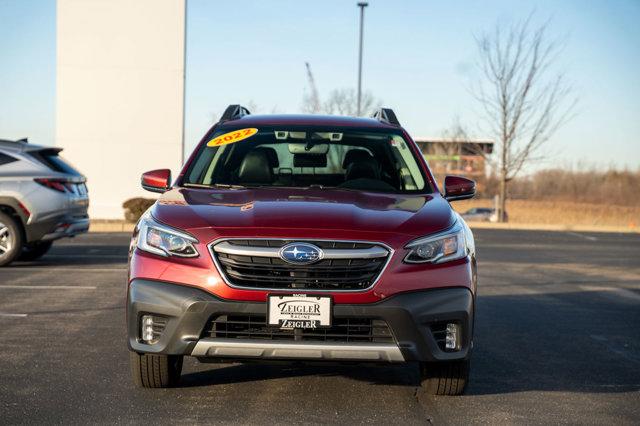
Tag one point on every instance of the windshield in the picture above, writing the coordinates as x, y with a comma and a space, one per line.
307, 157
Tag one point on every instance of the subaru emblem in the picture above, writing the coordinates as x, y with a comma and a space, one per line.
301, 253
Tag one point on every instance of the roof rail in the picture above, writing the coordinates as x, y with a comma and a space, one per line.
23, 140
233, 112
386, 115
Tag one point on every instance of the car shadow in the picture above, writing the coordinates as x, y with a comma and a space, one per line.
76, 254
585, 341
396, 375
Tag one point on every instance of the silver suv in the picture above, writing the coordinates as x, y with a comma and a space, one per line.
42, 199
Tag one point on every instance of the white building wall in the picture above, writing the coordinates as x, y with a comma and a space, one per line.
120, 93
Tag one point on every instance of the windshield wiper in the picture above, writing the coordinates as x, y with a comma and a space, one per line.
318, 186
214, 185
343, 188
195, 185
227, 186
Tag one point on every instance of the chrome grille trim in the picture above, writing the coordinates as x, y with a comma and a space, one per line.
369, 253
366, 255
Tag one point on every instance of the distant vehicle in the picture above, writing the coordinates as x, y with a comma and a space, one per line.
303, 238
479, 214
482, 214
42, 199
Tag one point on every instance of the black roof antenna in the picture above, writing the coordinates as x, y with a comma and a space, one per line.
386, 115
233, 112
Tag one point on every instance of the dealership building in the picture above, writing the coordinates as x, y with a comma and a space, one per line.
120, 93
466, 157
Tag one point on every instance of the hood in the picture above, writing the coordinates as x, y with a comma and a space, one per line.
293, 208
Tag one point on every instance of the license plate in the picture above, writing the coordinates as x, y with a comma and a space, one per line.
299, 311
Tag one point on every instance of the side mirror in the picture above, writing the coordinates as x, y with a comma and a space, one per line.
458, 188
157, 180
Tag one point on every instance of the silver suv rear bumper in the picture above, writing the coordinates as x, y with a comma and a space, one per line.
68, 228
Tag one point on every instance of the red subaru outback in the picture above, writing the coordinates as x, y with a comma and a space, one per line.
303, 238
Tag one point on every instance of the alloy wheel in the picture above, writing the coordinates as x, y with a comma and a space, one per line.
6, 239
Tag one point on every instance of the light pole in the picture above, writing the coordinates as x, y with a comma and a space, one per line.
361, 5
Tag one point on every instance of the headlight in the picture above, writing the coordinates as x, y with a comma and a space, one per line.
162, 240
439, 248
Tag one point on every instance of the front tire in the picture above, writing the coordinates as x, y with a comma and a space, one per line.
445, 378
155, 371
35, 250
10, 239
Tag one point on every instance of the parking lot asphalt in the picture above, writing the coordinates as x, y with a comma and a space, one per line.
557, 341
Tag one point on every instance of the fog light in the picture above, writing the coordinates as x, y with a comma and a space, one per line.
147, 328
151, 328
452, 339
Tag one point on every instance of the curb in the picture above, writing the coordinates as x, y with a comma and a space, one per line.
101, 227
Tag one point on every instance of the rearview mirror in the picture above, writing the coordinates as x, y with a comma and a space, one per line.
156, 180
458, 188
303, 148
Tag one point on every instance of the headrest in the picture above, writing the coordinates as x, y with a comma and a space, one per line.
367, 168
255, 168
354, 155
271, 154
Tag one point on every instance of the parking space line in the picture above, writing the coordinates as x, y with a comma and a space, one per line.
49, 287
586, 237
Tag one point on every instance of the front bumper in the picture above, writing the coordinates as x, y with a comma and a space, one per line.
410, 316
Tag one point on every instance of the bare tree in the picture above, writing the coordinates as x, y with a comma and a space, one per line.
339, 101
524, 101
456, 135
345, 102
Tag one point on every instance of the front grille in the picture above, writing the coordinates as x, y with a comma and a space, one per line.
255, 264
254, 327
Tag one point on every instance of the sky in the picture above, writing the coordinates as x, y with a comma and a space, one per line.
419, 59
